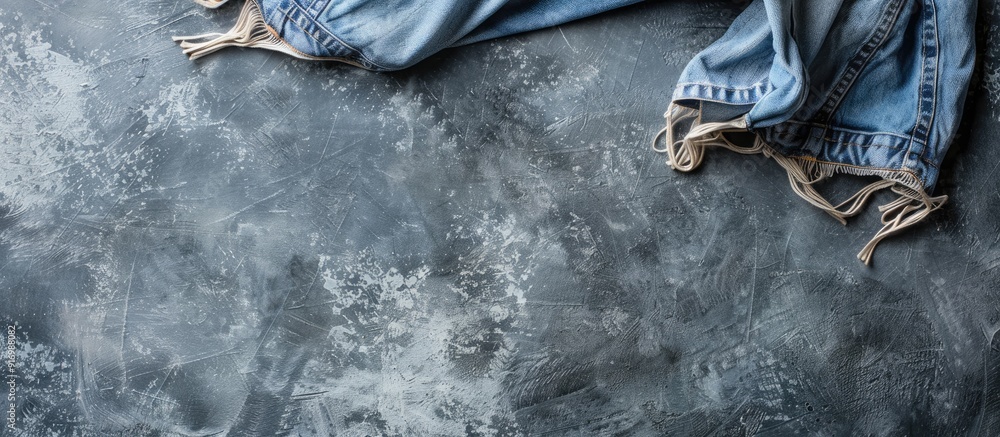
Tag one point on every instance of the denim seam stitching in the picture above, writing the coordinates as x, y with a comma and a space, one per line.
318, 5
309, 4
853, 144
865, 167
937, 69
904, 170
849, 131
928, 81
288, 15
297, 10
709, 99
890, 17
297, 16
720, 88
292, 15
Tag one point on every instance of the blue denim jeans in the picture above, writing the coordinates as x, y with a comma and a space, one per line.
860, 87
386, 35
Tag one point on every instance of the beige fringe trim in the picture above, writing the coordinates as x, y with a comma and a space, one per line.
250, 31
687, 151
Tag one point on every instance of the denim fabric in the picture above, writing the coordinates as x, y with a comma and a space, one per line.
861, 87
875, 84
394, 34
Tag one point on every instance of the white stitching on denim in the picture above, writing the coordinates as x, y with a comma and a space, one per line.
309, 19
836, 129
890, 17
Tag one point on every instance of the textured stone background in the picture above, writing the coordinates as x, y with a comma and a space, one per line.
483, 245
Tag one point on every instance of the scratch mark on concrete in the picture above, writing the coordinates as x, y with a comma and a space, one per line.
248, 207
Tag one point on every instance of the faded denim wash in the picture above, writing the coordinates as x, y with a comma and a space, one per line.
386, 35
861, 87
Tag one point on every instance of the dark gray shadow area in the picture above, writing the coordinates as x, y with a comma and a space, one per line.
484, 245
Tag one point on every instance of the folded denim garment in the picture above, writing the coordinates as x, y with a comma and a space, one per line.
860, 87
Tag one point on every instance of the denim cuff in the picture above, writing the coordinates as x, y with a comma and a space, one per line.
857, 152
687, 91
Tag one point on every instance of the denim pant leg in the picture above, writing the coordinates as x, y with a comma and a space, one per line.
856, 87
386, 35
518, 16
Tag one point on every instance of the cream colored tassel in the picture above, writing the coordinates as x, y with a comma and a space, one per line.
911, 208
685, 154
250, 31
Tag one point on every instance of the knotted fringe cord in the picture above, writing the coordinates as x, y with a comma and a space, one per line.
250, 31
687, 152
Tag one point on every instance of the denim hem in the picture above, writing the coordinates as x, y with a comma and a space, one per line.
879, 151
718, 94
836, 145
792, 145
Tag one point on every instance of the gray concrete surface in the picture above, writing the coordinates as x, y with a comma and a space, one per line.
483, 245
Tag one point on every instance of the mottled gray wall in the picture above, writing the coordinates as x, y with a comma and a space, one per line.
482, 245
